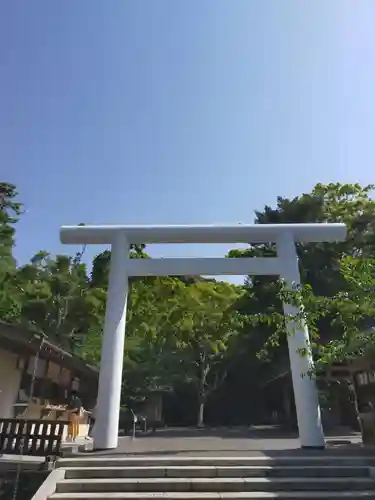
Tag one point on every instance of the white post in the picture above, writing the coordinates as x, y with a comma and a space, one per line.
305, 391
110, 378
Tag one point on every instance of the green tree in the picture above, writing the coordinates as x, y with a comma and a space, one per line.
57, 299
152, 320
320, 264
100, 267
178, 331
208, 327
335, 202
351, 311
10, 210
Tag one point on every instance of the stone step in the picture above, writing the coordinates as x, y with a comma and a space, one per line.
234, 484
219, 471
171, 461
250, 495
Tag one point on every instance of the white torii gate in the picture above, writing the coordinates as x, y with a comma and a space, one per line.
284, 265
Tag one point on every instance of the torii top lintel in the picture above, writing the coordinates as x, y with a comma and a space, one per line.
235, 233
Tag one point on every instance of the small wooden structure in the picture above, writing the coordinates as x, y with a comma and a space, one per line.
347, 393
36, 378
41, 438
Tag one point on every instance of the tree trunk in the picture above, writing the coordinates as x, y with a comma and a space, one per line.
200, 419
356, 403
203, 371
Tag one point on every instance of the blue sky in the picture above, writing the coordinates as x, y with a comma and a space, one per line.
166, 112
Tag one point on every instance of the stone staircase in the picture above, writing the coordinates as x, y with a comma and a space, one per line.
209, 478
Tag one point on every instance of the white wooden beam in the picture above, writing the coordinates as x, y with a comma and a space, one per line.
236, 233
205, 266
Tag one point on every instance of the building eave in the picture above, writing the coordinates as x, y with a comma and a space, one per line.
23, 341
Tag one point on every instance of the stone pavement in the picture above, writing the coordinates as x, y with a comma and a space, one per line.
224, 442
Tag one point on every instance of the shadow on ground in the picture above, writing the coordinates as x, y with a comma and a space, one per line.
272, 441
255, 432
259, 432
352, 450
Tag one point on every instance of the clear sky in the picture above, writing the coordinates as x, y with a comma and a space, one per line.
179, 111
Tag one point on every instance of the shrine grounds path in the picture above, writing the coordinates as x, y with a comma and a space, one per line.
267, 440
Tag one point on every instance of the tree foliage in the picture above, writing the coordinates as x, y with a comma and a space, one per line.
324, 267
350, 312
208, 326
200, 333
